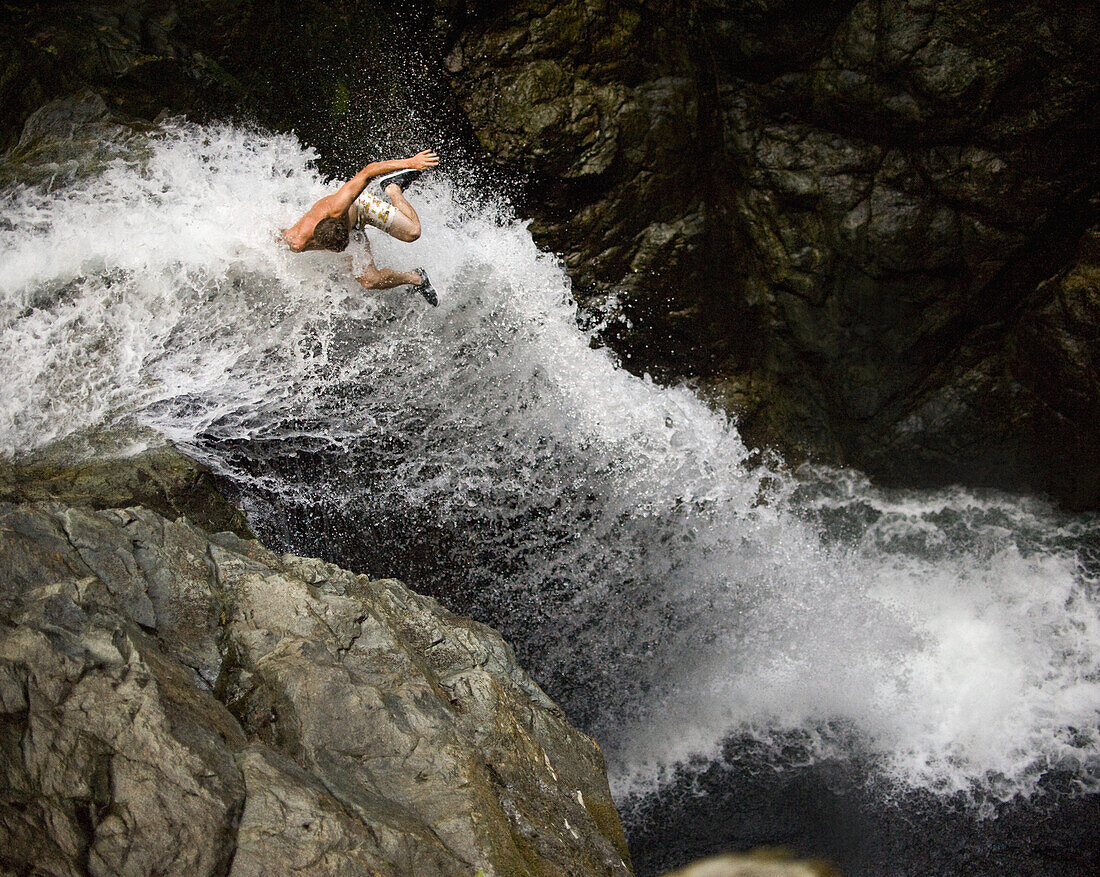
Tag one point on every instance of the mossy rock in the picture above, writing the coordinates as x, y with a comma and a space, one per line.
161, 479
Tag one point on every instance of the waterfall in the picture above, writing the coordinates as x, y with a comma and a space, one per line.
667, 586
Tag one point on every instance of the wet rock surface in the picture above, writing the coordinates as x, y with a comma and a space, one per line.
841, 220
177, 701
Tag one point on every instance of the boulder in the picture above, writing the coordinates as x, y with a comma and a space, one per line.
759, 863
185, 702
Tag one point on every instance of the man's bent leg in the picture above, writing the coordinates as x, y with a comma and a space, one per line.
386, 278
406, 224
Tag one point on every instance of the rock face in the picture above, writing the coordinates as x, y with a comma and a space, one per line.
129, 49
605, 109
347, 76
843, 220
176, 701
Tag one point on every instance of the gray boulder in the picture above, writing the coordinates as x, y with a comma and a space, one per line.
759, 863
175, 701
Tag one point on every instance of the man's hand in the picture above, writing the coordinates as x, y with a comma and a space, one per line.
423, 160
338, 204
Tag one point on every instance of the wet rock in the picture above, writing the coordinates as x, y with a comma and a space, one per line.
347, 77
175, 701
871, 193
66, 139
159, 478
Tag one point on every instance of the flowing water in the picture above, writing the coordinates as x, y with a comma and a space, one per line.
904, 681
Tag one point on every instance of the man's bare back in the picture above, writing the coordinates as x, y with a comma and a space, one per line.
328, 223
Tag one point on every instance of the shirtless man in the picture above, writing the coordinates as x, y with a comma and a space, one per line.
328, 224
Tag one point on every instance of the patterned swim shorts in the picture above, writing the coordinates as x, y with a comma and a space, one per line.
374, 211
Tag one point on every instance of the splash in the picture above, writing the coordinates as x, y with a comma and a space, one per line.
668, 593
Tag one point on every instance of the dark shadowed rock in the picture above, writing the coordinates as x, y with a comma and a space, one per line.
828, 215
349, 77
1006, 400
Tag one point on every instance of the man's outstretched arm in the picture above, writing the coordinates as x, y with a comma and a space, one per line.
353, 188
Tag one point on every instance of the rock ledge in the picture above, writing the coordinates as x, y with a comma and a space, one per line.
186, 702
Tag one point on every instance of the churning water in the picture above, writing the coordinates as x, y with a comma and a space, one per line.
674, 598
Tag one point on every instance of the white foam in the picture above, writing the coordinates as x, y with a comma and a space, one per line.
954, 639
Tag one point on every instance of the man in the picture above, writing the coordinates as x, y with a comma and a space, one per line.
328, 224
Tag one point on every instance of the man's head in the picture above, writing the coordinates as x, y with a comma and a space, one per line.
331, 234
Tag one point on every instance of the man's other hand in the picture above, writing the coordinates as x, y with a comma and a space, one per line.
423, 160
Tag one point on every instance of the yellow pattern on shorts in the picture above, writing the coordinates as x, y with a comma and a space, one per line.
374, 211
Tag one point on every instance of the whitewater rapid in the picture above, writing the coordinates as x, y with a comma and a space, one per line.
669, 593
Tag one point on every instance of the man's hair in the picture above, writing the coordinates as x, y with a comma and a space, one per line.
331, 234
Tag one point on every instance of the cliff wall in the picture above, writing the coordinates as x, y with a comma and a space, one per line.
867, 228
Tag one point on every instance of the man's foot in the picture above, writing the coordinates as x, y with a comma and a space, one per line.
425, 288
403, 179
